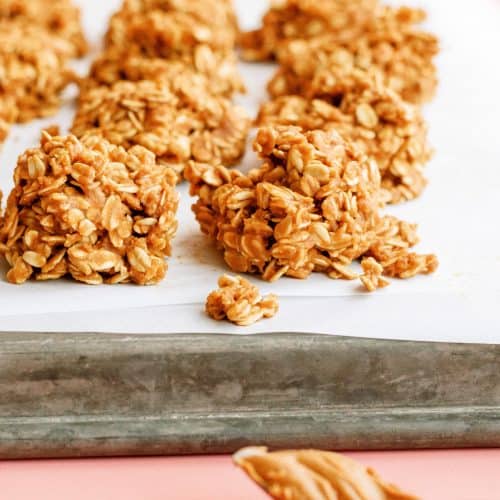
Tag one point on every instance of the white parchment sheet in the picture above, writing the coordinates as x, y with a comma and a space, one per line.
459, 219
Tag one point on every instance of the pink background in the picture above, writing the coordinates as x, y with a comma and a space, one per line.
434, 475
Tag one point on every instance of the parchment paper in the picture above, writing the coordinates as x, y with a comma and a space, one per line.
458, 216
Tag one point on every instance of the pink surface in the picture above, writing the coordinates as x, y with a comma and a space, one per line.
434, 475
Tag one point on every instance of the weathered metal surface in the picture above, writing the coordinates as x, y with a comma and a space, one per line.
65, 395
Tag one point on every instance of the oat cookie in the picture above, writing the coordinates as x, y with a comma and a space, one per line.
58, 17
364, 111
219, 69
289, 20
390, 46
90, 210
33, 72
312, 206
178, 121
168, 28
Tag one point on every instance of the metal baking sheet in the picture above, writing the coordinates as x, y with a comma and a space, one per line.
76, 395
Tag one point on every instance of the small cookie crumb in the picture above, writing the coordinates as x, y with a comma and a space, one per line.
372, 275
240, 302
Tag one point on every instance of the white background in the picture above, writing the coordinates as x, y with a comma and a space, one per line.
458, 216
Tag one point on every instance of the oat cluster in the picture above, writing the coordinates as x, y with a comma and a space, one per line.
91, 210
376, 119
312, 206
360, 34
289, 20
390, 46
152, 39
221, 75
171, 27
165, 81
178, 120
33, 71
37, 40
314, 475
240, 302
59, 17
